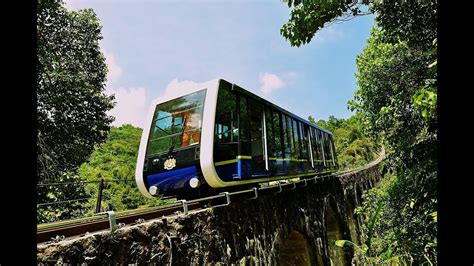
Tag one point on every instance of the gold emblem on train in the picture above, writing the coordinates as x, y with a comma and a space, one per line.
170, 163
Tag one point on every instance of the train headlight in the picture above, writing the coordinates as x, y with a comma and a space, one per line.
153, 190
194, 182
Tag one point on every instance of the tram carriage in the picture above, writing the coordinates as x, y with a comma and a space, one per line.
218, 136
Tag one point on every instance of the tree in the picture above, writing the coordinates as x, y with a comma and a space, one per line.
353, 147
71, 101
61, 200
307, 17
115, 160
414, 21
391, 79
396, 102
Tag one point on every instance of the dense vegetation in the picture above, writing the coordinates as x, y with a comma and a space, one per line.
396, 104
71, 102
115, 160
353, 147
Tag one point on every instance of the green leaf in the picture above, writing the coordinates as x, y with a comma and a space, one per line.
364, 248
394, 259
372, 223
341, 243
388, 252
433, 64
412, 203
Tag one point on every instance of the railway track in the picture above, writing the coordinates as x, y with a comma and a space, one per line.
78, 227
81, 226
102, 221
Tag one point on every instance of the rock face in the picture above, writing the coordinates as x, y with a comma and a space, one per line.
295, 227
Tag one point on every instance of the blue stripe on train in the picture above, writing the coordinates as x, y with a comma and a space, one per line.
172, 180
241, 170
228, 172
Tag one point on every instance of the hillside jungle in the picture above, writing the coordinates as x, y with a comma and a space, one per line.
394, 106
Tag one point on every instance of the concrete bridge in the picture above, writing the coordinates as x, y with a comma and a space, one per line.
295, 227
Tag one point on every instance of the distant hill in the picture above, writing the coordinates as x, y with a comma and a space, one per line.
115, 160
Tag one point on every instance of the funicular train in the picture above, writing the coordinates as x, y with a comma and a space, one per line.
218, 136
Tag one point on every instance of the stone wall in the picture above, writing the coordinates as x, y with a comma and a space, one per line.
279, 229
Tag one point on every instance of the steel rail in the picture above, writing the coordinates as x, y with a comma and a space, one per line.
78, 227
93, 224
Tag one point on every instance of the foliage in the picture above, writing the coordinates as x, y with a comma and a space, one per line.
67, 189
396, 102
377, 247
115, 160
353, 147
381, 245
71, 101
71, 104
307, 17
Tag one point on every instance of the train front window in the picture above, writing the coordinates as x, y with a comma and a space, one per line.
226, 128
177, 123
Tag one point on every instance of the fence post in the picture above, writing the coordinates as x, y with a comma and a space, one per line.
99, 195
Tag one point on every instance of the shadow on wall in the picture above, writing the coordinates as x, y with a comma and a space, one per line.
296, 250
334, 232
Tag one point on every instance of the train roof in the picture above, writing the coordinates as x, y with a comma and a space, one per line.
258, 98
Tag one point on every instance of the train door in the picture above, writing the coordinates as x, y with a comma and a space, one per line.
307, 150
323, 149
257, 141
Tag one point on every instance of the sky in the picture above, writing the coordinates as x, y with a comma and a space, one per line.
153, 47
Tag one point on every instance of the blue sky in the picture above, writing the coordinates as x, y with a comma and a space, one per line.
155, 46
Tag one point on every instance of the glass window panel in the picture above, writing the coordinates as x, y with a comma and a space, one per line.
286, 137
315, 145
270, 132
305, 144
244, 119
178, 121
289, 127
296, 138
226, 124
277, 135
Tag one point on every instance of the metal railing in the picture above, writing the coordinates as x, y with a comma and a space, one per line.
98, 194
79, 205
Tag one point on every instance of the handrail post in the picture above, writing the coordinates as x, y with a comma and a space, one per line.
99, 195
255, 190
184, 204
280, 189
227, 198
112, 220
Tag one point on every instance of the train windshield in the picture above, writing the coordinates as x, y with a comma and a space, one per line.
176, 123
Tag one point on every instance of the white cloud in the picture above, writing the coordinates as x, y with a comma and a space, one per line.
176, 87
115, 71
130, 107
270, 82
133, 105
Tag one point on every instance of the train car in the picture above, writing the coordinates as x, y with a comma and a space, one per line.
218, 136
